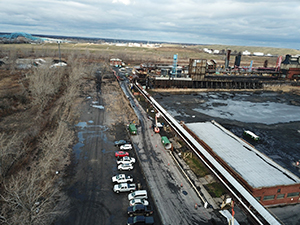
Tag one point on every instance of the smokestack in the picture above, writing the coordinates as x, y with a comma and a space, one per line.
237, 61
227, 58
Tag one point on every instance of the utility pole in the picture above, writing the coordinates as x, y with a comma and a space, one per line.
58, 42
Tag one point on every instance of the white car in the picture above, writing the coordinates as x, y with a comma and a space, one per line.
136, 201
126, 147
122, 178
124, 187
125, 166
126, 159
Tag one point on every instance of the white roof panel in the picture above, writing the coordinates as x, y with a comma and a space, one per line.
256, 168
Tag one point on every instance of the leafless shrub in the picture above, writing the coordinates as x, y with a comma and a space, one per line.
34, 196
12, 58
90, 70
11, 149
31, 198
72, 58
55, 145
44, 83
76, 73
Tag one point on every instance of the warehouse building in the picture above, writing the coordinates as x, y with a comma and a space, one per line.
269, 183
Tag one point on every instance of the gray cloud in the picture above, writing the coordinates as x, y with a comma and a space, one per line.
234, 22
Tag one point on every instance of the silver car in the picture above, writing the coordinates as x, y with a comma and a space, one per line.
125, 166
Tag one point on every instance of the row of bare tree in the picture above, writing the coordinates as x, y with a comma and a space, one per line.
33, 160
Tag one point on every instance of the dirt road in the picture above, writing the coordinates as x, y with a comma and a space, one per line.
90, 188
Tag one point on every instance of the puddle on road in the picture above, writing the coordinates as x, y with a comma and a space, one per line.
98, 106
80, 137
90, 132
81, 125
77, 150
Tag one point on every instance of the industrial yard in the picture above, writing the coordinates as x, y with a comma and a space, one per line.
89, 99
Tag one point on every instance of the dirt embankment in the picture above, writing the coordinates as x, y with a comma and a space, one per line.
115, 102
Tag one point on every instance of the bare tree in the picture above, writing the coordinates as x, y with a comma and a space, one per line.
11, 150
34, 196
29, 198
44, 83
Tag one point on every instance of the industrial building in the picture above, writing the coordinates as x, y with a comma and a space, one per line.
269, 183
290, 66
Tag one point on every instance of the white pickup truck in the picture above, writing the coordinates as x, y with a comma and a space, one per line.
126, 159
124, 187
122, 178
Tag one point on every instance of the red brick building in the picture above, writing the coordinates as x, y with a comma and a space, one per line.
267, 181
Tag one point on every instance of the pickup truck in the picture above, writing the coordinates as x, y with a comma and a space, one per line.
124, 187
122, 178
126, 159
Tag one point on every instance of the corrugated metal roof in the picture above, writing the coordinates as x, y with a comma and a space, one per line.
256, 168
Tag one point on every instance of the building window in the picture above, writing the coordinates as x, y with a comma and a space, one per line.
278, 191
269, 197
280, 196
258, 198
294, 194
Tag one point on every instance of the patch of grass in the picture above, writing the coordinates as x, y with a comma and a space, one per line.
215, 189
197, 167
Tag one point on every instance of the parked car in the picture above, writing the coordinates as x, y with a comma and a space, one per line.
126, 159
137, 201
139, 210
140, 220
122, 178
126, 147
138, 194
124, 187
120, 154
125, 166
121, 142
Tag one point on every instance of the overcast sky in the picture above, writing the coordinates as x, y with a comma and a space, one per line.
273, 23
